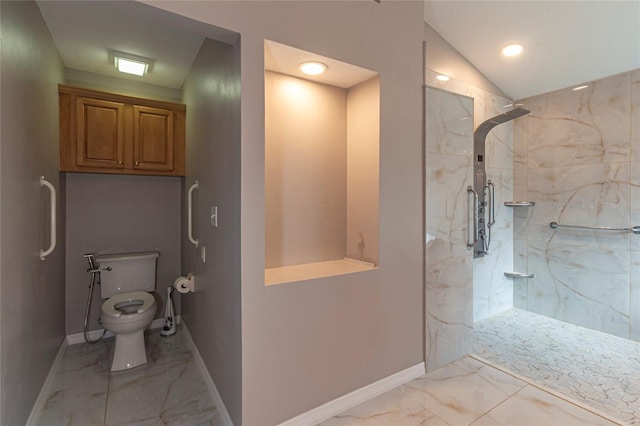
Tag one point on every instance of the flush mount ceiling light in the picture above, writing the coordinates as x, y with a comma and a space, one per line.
512, 49
443, 77
131, 64
312, 68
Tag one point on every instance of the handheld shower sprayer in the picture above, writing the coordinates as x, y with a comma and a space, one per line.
94, 269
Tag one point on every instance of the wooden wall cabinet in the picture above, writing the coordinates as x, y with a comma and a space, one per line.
108, 133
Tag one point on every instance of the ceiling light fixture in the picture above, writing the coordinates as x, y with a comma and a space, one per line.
580, 87
443, 77
312, 68
131, 64
512, 49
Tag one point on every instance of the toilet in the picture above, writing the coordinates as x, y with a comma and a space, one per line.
125, 281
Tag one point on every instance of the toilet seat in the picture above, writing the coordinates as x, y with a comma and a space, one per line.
109, 306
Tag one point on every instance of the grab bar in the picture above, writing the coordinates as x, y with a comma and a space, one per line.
518, 275
491, 192
634, 229
471, 244
193, 240
52, 242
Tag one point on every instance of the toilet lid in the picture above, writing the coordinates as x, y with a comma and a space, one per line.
140, 301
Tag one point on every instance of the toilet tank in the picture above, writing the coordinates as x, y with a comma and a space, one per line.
127, 272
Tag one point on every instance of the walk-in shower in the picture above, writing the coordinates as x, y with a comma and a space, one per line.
484, 190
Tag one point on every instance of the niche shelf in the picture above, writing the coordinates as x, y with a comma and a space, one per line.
321, 167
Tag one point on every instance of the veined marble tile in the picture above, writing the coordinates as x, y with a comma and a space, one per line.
597, 369
569, 128
583, 285
592, 195
635, 115
534, 407
169, 389
492, 291
447, 178
634, 294
463, 391
449, 123
391, 408
79, 386
82, 404
503, 181
449, 310
170, 393
520, 264
520, 142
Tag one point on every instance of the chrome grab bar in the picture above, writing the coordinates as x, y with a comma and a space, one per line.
52, 218
471, 244
634, 229
491, 192
518, 275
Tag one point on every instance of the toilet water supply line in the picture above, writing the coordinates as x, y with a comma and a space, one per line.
94, 268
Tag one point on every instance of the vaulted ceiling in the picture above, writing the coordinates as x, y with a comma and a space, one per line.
566, 42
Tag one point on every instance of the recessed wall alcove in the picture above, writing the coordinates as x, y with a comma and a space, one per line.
322, 137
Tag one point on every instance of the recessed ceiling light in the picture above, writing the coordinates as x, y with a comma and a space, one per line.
580, 87
312, 68
131, 64
512, 49
443, 77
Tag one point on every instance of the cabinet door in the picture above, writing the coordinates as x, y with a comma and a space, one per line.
99, 133
153, 138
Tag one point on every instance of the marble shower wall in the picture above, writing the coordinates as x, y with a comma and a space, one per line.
492, 291
577, 157
448, 263
459, 289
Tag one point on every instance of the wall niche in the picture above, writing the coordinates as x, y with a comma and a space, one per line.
322, 138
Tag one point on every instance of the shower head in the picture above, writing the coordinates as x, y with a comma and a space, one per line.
483, 129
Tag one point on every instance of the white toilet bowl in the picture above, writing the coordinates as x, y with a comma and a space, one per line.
126, 315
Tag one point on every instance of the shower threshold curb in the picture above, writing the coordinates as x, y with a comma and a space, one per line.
549, 390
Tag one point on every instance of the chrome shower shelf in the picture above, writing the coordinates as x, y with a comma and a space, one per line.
519, 203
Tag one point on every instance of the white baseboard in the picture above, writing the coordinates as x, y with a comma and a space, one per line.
350, 400
224, 414
44, 391
74, 339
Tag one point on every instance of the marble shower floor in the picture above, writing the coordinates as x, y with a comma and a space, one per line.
594, 368
168, 390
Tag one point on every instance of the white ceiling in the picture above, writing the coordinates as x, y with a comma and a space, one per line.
566, 42
86, 31
285, 60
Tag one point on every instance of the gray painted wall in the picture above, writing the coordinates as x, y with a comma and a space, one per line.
31, 290
119, 213
212, 94
306, 343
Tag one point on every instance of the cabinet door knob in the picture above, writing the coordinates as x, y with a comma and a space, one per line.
137, 163
120, 163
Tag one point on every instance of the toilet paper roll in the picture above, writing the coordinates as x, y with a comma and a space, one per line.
184, 284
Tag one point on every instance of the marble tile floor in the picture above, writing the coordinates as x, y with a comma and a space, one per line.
467, 392
597, 369
168, 390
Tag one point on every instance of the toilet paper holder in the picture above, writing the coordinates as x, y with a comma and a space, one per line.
185, 284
